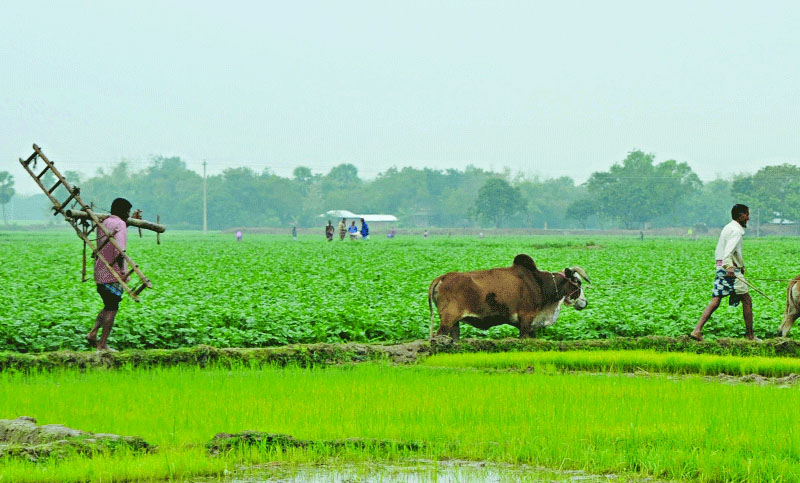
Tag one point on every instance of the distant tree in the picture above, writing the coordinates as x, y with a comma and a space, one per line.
637, 191
773, 190
303, 178
73, 177
710, 206
342, 176
581, 210
497, 201
548, 200
342, 189
6, 191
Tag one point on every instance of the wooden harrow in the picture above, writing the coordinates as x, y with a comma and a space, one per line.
85, 221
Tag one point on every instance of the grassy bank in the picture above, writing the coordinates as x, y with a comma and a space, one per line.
688, 429
307, 355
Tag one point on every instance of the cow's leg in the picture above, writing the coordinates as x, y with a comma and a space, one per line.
788, 322
455, 332
789, 316
448, 323
526, 329
792, 311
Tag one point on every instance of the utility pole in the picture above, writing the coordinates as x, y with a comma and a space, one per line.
758, 222
205, 200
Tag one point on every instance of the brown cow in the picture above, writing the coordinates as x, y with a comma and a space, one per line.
520, 295
792, 311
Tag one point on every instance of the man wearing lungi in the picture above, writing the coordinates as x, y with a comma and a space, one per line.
729, 279
108, 287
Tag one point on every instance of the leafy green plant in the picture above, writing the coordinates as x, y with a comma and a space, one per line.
268, 290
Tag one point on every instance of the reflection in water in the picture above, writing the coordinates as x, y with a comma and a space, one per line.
413, 472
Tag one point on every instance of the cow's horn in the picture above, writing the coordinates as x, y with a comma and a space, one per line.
581, 272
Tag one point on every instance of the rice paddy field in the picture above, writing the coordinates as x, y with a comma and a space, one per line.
517, 416
270, 291
687, 428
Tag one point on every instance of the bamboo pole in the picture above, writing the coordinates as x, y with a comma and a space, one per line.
141, 224
740, 278
83, 267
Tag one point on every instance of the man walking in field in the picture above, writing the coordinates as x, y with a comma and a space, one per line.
729, 279
108, 287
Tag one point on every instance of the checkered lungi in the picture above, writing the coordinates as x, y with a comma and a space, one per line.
725, 285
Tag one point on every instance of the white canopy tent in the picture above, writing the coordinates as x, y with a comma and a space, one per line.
337, 214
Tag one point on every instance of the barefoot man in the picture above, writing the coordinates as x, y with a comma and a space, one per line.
729, 280
107, 286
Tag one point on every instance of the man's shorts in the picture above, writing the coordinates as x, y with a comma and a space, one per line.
111, 293
733, 286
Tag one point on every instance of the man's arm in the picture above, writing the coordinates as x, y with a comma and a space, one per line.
121, 237
730, 247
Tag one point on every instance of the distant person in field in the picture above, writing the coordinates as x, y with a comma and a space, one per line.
729, 280
425, 234
329, 231
342, 229
353, 230
238, 236
294, 233
108, 286
364, 229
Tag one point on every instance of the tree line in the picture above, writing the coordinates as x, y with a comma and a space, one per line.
634, 193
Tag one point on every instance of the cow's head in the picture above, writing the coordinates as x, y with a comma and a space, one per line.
574, 292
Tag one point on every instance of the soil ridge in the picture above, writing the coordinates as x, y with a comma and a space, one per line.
24, 438
307, 355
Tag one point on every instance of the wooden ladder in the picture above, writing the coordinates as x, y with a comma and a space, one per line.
83, 227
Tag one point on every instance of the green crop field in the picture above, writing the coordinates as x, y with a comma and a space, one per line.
268, 290
679, 429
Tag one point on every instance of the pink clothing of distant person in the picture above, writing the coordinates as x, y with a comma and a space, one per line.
119, 228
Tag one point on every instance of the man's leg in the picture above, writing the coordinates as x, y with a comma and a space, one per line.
697, 333
92, 335
747, 311
108, 323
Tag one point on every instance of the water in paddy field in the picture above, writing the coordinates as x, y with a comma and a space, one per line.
416, 472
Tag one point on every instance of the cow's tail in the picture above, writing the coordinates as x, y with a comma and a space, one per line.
431, 301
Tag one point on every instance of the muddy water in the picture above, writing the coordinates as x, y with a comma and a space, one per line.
414, 472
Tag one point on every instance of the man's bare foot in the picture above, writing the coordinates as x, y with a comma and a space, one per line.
92, 339
106, 348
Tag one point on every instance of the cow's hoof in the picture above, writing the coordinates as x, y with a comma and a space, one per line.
442, 340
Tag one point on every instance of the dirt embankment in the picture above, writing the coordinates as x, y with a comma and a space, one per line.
405, 353
23, 438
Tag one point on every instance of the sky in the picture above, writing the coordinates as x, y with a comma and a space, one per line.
547, 89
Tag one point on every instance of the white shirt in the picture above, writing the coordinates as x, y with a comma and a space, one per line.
729, 246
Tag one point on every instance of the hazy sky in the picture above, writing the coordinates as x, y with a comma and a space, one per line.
546, 88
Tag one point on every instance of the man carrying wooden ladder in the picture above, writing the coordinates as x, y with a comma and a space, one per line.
108, 287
